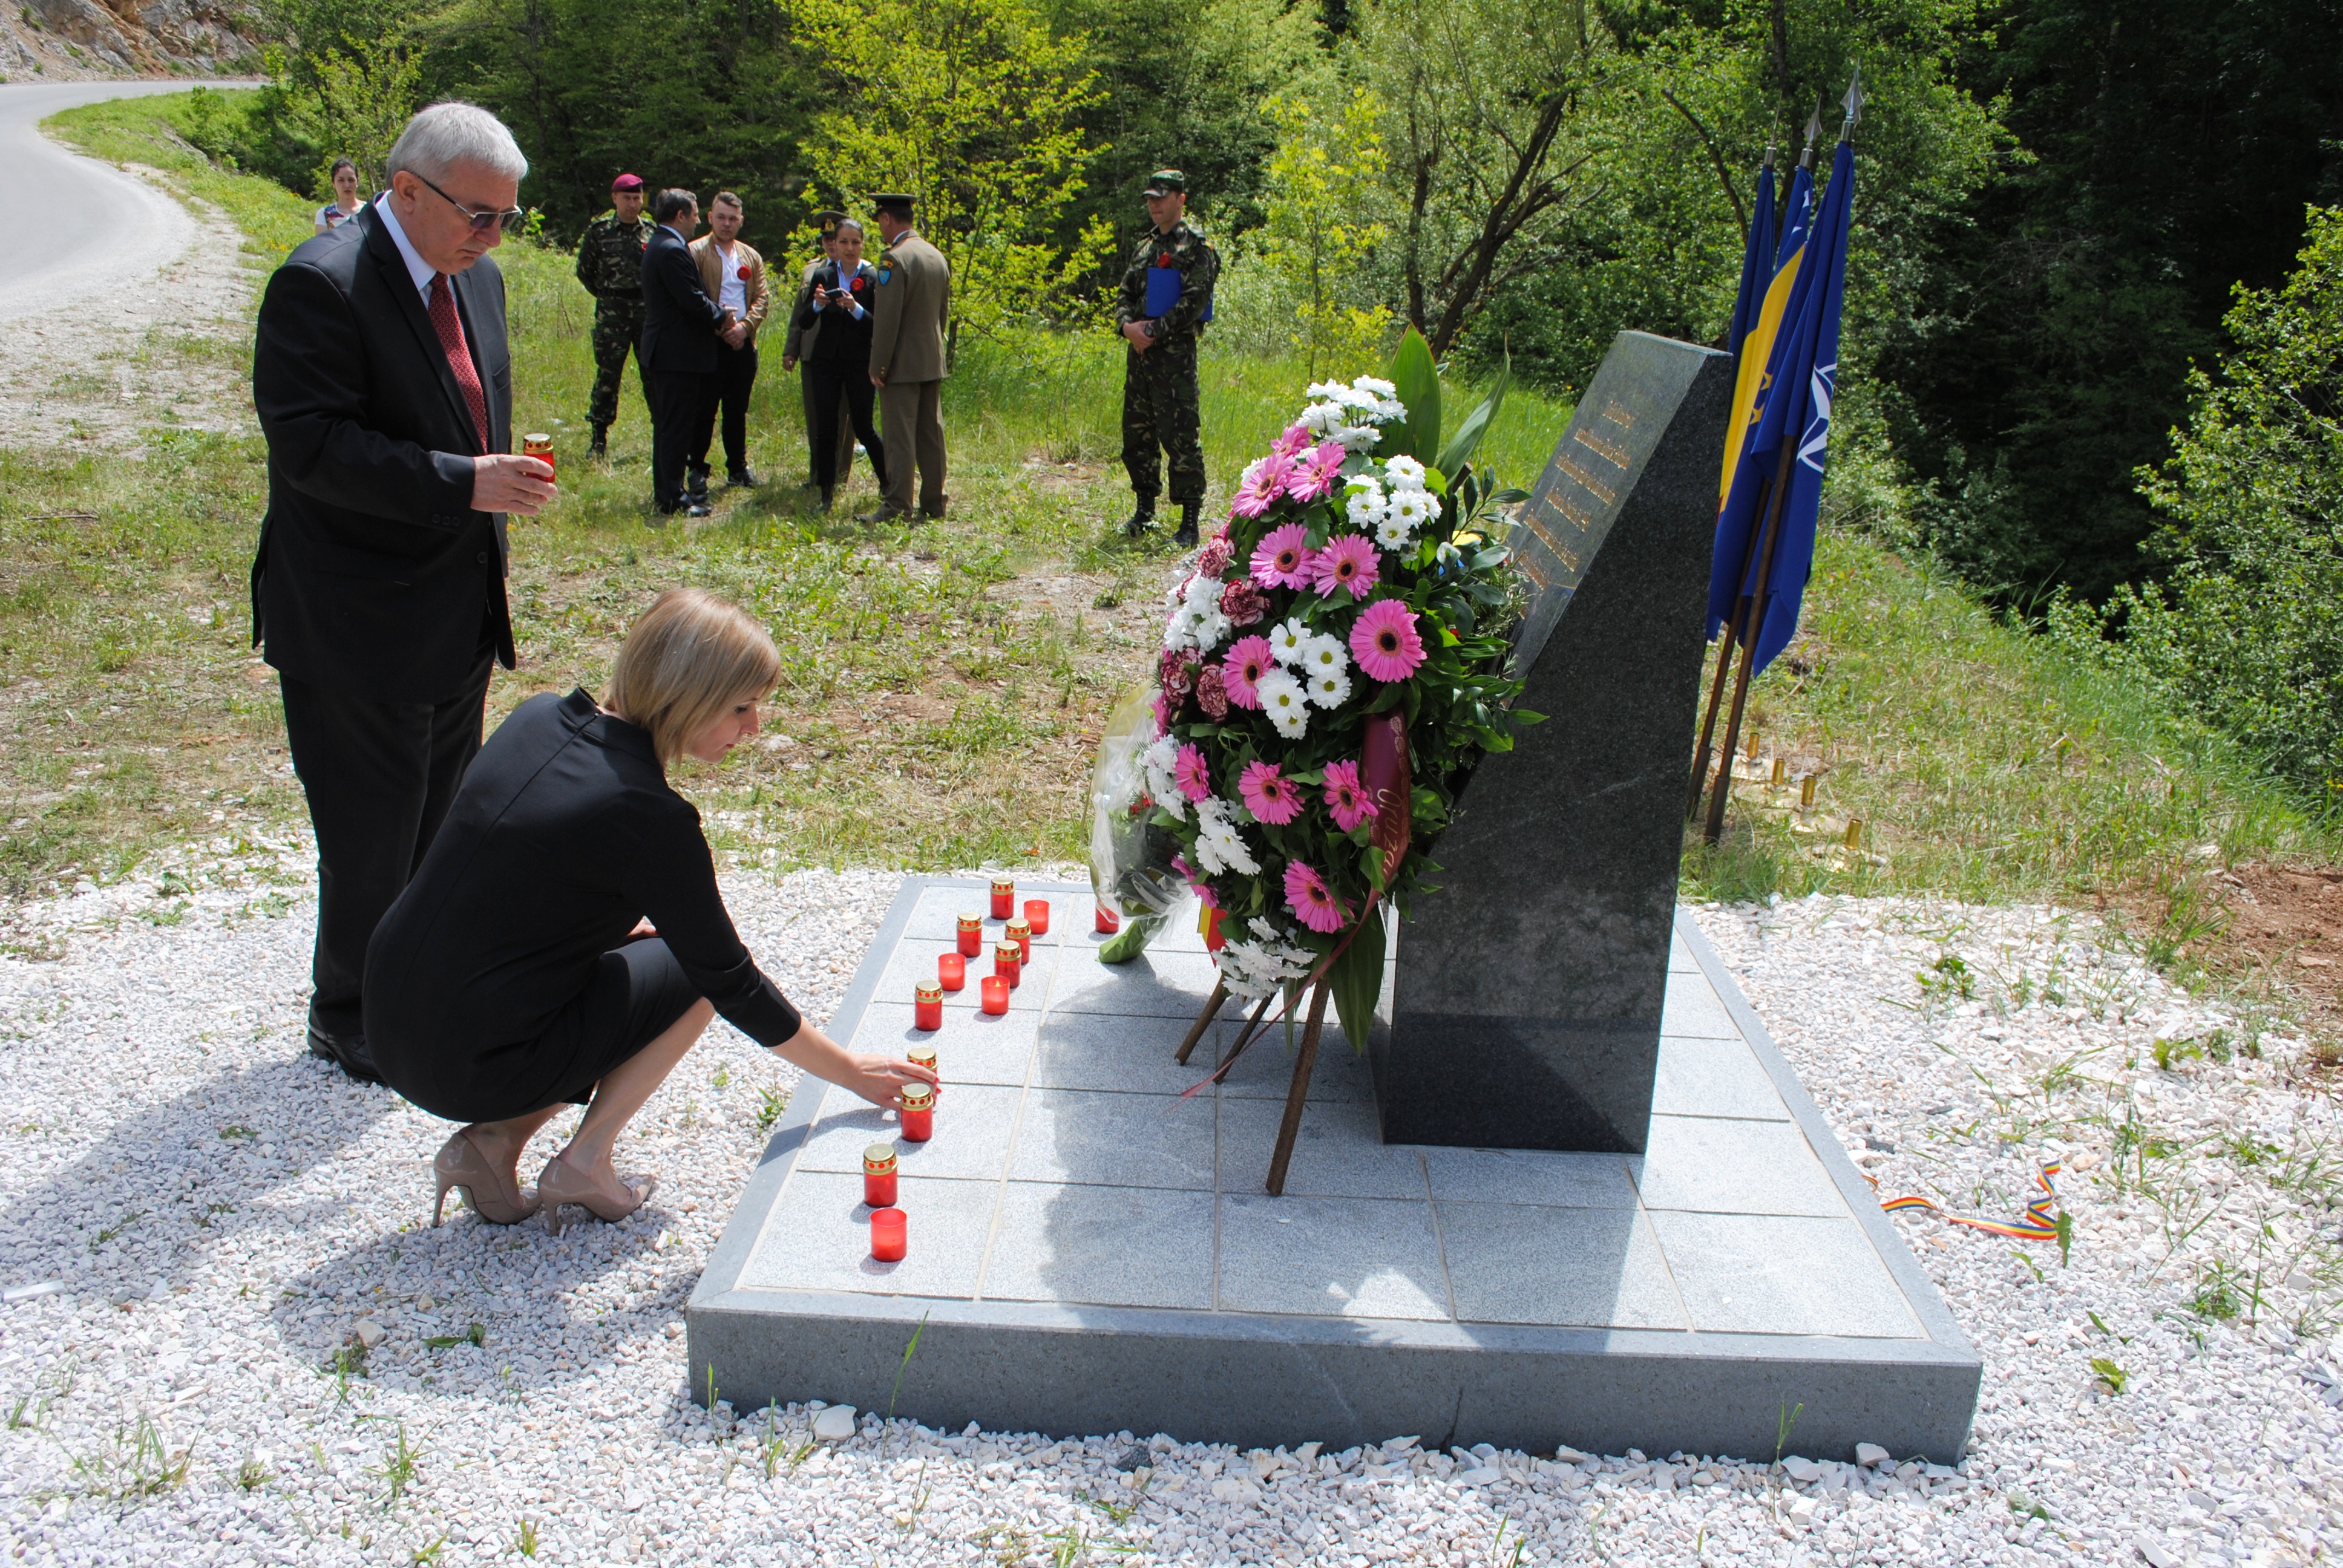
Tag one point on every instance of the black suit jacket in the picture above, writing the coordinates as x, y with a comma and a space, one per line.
679, 321
374, 572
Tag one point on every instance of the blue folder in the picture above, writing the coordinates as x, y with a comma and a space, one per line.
1164, 285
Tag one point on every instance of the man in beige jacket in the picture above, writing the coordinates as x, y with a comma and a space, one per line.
734, 276
906, 360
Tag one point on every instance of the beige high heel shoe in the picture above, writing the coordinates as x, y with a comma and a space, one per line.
564, 1183
487, 1189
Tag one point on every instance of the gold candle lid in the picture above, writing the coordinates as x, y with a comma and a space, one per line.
1010, 952
879, 1159
921, 1056
934, 993
1004, 884
972, 922
537, 441
1020, 929
919, 1097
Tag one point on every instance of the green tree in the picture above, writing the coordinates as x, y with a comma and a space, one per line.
972, 107
2245, 626
365, 92
1323, 195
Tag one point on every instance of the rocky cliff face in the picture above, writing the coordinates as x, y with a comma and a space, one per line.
67, 40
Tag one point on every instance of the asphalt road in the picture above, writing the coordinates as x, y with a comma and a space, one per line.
79, 226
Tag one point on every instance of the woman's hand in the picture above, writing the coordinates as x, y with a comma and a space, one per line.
880, 1078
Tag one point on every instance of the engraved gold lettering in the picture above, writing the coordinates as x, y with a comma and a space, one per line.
1618, 415
1611, 452
1595, 486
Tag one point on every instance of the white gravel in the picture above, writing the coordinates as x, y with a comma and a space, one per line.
224, 1215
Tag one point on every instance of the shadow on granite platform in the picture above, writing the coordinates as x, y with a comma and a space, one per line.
1092, 1251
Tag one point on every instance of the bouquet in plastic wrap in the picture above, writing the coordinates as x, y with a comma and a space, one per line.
1335, 660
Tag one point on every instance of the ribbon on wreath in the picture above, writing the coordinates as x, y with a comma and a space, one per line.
2037, 1226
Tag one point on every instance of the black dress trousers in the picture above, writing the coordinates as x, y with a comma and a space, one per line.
682, 404
379, 777
735, 379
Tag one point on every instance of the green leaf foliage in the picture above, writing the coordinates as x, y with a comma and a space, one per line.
1418, 380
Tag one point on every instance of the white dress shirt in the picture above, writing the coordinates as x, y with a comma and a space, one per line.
730, 292
421, 270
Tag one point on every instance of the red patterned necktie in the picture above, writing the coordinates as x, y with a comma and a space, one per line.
450, 328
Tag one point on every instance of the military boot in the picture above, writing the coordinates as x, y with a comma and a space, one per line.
1142, 515
601, 446
1186, 537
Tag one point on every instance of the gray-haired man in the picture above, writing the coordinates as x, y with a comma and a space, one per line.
384, 391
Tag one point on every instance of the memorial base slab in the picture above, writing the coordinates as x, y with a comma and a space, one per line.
1091, 1250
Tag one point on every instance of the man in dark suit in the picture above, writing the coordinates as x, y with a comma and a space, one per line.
685, 333
384, 391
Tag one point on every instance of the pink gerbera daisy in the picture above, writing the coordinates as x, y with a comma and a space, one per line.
1263, 483
1279, 560
1248, 660
1192, 774
1308, 896
1347, 795
1384, 642
1347, 565
1316, 471
1268, 794
1211, 692
1293, 442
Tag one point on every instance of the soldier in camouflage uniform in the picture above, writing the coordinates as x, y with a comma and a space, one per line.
610, 265
1159, 379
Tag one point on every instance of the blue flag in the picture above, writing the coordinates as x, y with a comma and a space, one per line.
1799, 214
1752, 378
1757, 263
1801, 380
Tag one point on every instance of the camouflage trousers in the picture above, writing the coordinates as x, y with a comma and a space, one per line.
618, 328
1159, 409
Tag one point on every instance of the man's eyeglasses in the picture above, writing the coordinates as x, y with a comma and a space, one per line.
481, 222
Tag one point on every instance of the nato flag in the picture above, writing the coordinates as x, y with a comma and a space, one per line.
1804, 371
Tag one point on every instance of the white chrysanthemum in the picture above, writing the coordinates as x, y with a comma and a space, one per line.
1376, 385
1287, 642
1255, 969
1204, 591
1357, 398
1414, 507
1319, 390
1323, 654
1207, 627
1330, 688
1356, 437
1160, 758
1390, 408
1287, 705
1404, 472
1218, 845
1393, 533
1321, 417
1363, 503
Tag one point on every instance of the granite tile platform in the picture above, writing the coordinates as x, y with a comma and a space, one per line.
1091, 1250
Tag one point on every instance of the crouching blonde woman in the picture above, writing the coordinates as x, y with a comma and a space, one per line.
564, 940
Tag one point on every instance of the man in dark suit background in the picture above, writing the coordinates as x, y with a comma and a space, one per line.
383, 389
684, 334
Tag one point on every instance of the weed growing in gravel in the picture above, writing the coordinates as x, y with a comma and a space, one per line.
770, 1103
399, 1468
2110, 1374
477, 1335
111, 1231
430, 1554
133, 1464
525, 1542
252, 1474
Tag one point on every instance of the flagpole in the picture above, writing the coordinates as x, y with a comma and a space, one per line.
1754, 617
1748, 556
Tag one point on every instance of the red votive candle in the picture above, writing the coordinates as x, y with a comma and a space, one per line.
1009, 962
927, 1007
918, 1112
921, 1056
1005, 897
879, 1181
1037, 915
1106, 920
1021, 933
952, 970
996, 995
971, 936
886, 1238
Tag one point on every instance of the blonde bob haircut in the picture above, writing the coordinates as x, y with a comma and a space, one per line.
688, 659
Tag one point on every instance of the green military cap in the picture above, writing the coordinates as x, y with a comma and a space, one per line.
828, 218
899, 205
1164, 182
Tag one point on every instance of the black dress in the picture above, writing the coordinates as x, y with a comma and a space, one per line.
502, 980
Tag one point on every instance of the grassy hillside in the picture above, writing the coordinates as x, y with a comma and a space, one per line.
943, 684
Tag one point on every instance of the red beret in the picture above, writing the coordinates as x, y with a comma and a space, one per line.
628, 182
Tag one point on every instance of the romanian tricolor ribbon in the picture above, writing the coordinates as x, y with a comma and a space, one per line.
2037, 1226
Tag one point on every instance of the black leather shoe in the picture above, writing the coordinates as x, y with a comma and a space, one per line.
699, 509
348, 1052
740, 480
1186, 537
695, 487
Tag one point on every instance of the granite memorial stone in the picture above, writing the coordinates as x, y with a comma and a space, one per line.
1524, 1001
